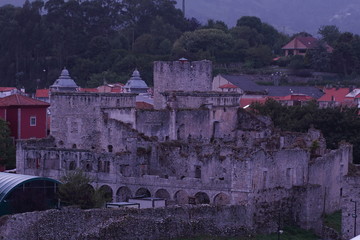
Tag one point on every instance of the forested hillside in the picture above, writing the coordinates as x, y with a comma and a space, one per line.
104, 40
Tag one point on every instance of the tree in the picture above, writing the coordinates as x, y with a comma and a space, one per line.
319, 58
7, 146
204, 40
301, 34
344, 56
250, 35
258, 57
251, 22
216, 25
330, 34
336, 124
76, 190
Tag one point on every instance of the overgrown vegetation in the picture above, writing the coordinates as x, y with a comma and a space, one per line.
333, 221
336, 124
76, 190
7, 146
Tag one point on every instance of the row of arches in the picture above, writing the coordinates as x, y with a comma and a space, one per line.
180, 197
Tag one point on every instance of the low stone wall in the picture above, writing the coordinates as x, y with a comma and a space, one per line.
165, 223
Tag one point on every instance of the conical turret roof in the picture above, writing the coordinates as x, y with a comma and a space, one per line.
64, 82
136, 84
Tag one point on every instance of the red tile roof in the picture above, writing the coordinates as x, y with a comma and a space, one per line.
334, 94
295, 97
20, 100
95, 90
228, 85
42, 93
144, 105
305, 43
6, 89
116, 90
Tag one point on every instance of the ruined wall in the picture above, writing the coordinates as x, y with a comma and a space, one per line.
283, 168
154, 123
77, 118
275, 208
350, 207
180, 170
161, 223
200, 99
180, 76
334, 164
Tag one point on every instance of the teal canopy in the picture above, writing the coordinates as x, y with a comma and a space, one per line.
9, 182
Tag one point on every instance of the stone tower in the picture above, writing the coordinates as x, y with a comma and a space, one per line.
180, 76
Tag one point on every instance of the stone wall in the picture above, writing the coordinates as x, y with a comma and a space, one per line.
350, 203
275, 208
180, 76
334, 164
166, 223
77, 118
200, 99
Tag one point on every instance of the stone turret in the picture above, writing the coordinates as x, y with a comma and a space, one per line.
135, 84
64, 83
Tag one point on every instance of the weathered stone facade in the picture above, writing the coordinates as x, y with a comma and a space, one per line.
198, 147
350, 205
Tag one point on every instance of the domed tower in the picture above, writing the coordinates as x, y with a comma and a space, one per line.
135, 84
64, 83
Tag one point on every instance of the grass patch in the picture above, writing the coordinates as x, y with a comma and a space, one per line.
333, 221
289, 233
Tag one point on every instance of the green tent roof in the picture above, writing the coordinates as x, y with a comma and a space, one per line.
9, 181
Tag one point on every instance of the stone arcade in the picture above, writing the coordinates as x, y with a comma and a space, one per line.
197, 145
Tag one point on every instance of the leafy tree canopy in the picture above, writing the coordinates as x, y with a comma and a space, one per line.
336, 124
7, 146
76, 190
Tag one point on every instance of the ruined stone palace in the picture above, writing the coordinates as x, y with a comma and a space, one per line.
196, 145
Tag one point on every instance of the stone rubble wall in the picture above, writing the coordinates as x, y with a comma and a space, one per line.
164, 223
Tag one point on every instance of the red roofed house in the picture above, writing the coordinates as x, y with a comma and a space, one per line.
228, 87
294, 99
353, 97
93, 90
334, 97
7, 91
27, 116
300, 45
42, 95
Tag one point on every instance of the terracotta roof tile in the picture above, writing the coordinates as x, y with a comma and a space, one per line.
6, 89
20, 100
144, 105
296, 97
334, 94
42, 93
95, 90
